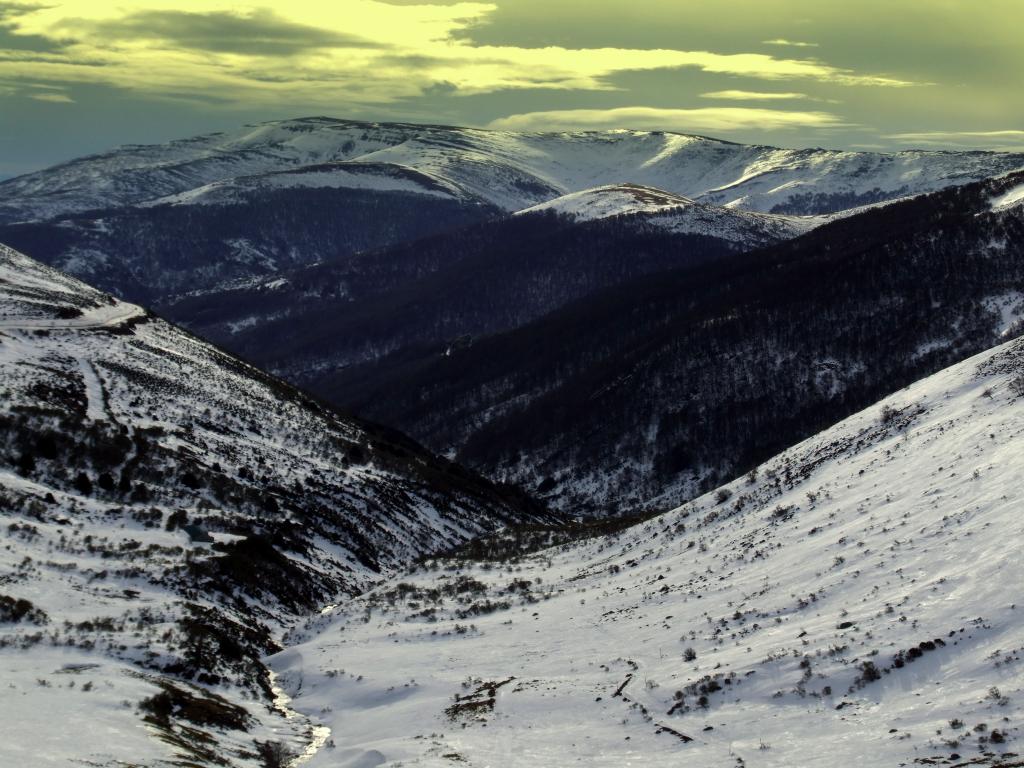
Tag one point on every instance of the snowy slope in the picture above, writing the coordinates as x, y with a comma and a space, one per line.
612, 200
509, 170
376, 177
678, 214
167, 511
1009, 199
854, 601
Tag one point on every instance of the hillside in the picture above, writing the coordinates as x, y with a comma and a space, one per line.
446, 290
676, 380
169, 512
849, 602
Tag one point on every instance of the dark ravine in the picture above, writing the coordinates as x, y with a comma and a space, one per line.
436, 292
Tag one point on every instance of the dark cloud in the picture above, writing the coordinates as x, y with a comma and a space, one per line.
7, 10
259, 33
440, 88
11, 41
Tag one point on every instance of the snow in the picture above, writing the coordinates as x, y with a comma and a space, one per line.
73, 704
93, 392
896, 528
674, 213
1009, 307
371, 178
611, 200
1014, 196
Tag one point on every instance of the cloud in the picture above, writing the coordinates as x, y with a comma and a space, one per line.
791, 43
13, 39
345, 56
752, 96
948, 135
1005, 141
54, 97
260, 32
705, 119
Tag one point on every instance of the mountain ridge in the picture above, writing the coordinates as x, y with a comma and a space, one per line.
149, 222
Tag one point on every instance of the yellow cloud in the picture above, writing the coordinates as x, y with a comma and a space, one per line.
791, 43
707, 119
752, 96
359, 52
997, 141
53, 97
928, 135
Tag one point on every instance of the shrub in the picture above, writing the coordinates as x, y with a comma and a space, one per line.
869, 673
83, 484
275, 754
14, 610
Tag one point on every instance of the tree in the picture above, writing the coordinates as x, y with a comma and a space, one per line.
83, 484
26, 464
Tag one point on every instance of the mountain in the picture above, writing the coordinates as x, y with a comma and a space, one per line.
645, 394
508, 170
151, 222
170, 512
844, 603
149, 253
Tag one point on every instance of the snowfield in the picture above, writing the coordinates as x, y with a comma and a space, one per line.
855, 601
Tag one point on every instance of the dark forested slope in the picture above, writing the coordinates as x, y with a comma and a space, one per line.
642, 394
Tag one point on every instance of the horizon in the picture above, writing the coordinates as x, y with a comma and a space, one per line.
78, 78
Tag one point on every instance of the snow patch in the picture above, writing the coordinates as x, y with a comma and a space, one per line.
1009, 199
1009, 307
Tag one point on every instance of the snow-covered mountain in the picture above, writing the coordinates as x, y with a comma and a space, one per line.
508, 170
853, 601
150, 222
168, 511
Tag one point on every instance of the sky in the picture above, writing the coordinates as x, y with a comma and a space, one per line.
83, 76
